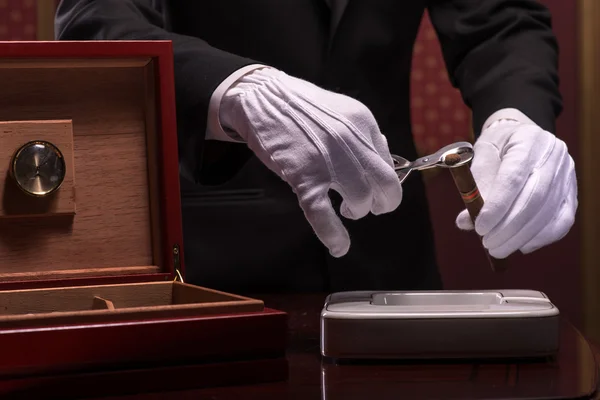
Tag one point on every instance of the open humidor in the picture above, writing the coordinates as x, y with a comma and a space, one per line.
92, 274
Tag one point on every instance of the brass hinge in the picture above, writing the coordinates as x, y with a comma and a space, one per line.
177, 264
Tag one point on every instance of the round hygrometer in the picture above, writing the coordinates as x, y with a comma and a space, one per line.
38, 168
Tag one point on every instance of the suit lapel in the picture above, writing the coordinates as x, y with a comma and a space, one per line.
337, 11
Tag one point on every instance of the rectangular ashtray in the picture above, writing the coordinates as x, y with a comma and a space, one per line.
439, 324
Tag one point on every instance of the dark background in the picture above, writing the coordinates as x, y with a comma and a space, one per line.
440, 117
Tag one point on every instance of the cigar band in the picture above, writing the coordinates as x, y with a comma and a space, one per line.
470, 196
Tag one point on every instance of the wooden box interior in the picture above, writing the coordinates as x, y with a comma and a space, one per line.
116, 229
118, 302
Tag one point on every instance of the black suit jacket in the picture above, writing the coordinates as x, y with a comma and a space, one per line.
242, 225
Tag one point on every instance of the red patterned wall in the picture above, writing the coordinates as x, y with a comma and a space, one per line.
18, 20
439, 115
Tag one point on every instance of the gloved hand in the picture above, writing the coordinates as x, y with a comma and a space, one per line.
527, 180
315, 140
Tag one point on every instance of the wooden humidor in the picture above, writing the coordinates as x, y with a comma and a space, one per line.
92, 276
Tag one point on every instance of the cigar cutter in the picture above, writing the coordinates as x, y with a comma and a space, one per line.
439, 324
403, 167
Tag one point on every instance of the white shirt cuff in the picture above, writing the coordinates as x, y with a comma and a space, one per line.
509, 114
214, 130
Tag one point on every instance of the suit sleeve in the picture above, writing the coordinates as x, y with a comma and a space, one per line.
199, 68
501, 54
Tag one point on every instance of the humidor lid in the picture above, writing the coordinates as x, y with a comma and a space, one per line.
109, 108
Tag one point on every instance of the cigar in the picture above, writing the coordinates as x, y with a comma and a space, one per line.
465, 183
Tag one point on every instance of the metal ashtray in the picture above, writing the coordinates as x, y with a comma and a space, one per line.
439, 324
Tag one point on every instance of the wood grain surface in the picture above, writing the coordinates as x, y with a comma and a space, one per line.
32, 308
112, 117
83, 294
14, 202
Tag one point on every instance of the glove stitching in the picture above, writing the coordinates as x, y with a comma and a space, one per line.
316, 141
535, 173
328, 111
261, 143
563, 210
366, 175
289, 95
271, 157
288, 101
332, 132
545, 157
490, 236
527, 226
351, 127
339, 117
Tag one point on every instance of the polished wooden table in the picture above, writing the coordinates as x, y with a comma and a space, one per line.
573, 374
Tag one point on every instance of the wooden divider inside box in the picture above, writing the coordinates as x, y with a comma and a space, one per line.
112, 303
111, 106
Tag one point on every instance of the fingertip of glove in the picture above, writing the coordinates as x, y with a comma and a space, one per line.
499, 255
391, 204
463, 221
346, 212
340, 251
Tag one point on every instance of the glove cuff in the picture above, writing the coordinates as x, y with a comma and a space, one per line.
507, 113
214, 127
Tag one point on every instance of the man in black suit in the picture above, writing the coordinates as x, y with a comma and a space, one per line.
288, 111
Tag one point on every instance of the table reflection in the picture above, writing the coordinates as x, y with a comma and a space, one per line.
571, 374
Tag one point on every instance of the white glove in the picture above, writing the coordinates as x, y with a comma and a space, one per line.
527, 180
315, 140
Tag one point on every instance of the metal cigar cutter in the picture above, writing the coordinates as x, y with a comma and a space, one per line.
456, 158
439, 159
